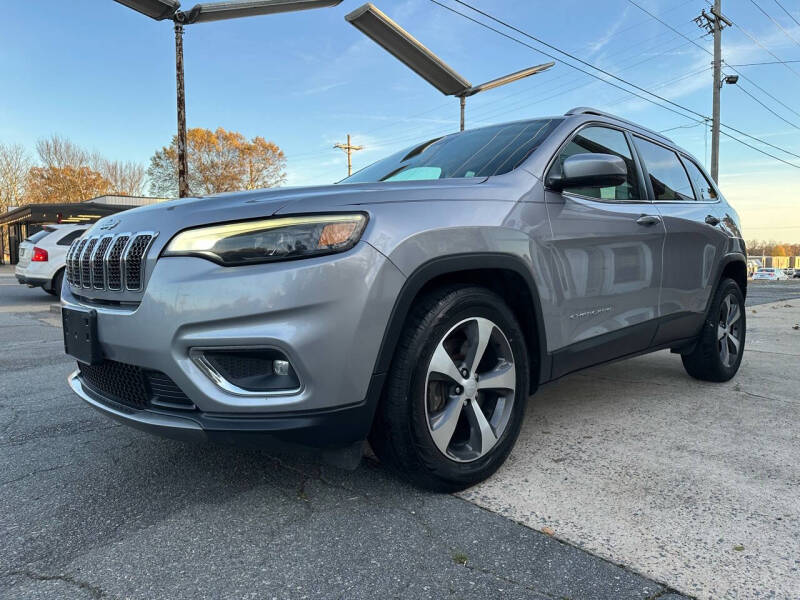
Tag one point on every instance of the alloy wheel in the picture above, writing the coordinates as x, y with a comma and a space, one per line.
470, 389
729, 330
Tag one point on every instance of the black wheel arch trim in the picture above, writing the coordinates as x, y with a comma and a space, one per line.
453, 264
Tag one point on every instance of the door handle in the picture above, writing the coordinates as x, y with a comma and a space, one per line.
648, 220
712, 220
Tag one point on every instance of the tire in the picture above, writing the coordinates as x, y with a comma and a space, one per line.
55, 284
419, 411
713, 358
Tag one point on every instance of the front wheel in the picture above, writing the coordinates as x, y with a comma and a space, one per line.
456, 393
720, 346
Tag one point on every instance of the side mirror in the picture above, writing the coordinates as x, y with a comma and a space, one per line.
589, 170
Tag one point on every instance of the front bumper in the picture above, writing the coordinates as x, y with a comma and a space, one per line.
325, 428
327, 315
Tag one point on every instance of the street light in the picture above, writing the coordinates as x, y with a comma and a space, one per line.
407, 49
202, 13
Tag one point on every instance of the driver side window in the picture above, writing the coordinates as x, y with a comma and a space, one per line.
603, 140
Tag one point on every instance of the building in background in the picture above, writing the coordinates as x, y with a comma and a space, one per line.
24, 221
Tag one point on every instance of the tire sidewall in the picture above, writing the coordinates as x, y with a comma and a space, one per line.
723, 372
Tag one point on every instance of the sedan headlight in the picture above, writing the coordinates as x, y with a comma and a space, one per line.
267, 240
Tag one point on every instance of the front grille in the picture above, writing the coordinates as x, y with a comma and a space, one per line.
73, 262
133, 261
133, 386
107, 262
86, 264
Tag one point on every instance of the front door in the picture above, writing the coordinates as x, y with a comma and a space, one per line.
606, 259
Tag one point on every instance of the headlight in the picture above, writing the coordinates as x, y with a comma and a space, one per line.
267, 240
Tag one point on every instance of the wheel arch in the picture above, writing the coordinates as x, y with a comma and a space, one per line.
502, 273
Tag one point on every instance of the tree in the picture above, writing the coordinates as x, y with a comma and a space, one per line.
779, 250
219, 161
68, 173
14, 166
49, 185
124, 178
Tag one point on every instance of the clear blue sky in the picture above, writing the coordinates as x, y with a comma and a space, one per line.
103, 76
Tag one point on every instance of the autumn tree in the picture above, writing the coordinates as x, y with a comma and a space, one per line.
219, 161
14, 165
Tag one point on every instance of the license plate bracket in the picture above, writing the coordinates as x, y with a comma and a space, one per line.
80, 335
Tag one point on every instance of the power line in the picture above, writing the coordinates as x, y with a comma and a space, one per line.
663, 99
768, 62
766, 14
787, 12
766, 107
742, 75
770, 52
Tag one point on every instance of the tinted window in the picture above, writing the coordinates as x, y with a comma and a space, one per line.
476, 153
602, 140
37, 236
700, 181
70, 237
667, 175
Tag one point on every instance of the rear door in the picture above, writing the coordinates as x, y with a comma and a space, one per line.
606, 258
689, 206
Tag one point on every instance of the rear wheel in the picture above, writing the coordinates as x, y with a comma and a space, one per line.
719, 349
457, 388
55, 284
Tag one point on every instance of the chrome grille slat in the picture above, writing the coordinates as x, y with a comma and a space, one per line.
98, 268
86, 267
109, 262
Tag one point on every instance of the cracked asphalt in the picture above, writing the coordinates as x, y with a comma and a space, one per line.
92, 509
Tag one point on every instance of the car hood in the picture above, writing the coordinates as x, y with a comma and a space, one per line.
169, 217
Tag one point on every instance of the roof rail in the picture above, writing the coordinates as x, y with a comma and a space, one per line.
587, 110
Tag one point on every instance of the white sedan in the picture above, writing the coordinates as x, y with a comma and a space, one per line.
770, 274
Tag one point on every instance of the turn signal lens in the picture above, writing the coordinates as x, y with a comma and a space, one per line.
39, 254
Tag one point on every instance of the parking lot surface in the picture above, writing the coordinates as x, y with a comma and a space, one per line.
93, 509
691, 483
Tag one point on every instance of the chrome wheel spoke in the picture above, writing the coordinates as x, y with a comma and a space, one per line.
481, 334
443, 364
483, 436
735, 342
733, 315
721, 332
724, 352
444, 424
503, 377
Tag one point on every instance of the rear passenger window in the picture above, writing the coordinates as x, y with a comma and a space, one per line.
667, 175
700, 181
70, 237
602, 140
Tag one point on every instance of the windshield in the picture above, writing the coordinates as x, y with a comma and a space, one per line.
476, 153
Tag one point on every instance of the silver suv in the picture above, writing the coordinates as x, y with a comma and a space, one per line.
417, 303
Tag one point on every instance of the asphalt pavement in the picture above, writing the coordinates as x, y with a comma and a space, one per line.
93, 509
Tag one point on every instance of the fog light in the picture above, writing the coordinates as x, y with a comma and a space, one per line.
280, 367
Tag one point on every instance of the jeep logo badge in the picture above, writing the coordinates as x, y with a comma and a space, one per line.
110, 224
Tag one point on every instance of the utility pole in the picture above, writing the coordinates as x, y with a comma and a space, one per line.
183, 167
714, 24
349, 149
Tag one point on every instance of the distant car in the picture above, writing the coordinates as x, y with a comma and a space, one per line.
42, 256
789, 273
771, 274
796, 274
